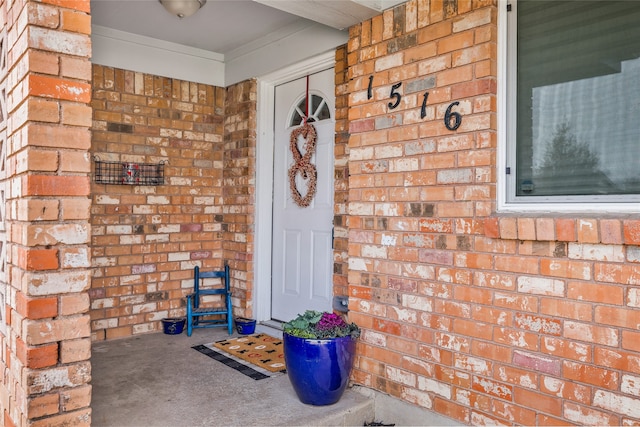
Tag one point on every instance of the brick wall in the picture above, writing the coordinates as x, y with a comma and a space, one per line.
238, 200
341, 176
147, 239
9, 379
45, 77
487, 319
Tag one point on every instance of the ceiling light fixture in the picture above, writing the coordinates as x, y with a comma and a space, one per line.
182, 8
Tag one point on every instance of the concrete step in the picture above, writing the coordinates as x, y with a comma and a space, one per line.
353, 409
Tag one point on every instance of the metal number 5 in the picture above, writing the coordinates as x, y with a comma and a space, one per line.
395, 95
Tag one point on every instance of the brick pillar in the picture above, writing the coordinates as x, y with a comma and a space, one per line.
9, 378
238, 204
341, 176
45, 188
417, 192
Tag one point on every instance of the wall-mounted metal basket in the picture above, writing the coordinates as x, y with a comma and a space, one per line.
128, 173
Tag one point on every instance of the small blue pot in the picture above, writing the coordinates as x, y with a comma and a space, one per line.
245, 326
173, 325
319, 370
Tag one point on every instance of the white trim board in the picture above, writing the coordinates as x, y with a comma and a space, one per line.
119, 49
290, 45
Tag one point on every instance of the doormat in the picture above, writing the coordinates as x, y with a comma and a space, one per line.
259, 349
238, 364
222, 351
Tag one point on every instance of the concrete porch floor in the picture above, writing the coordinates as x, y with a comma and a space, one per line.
159, 380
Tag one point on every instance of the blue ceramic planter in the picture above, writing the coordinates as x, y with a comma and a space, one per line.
319, 369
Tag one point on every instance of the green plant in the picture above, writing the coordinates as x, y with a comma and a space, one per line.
319, 325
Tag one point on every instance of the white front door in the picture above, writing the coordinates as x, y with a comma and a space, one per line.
302, 237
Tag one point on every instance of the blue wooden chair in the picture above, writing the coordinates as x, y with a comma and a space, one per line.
197, 315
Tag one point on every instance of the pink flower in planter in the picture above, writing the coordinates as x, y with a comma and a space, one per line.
329, 321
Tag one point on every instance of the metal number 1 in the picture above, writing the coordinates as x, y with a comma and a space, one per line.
423, 110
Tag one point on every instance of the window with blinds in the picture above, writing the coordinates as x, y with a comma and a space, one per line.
573, 101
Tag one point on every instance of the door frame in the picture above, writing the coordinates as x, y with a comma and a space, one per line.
264, 174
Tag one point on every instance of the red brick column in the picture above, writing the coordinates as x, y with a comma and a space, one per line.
238, 201
46, 343
341, 176
8, 379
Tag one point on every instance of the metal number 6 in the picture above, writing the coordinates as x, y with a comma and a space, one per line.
448, 115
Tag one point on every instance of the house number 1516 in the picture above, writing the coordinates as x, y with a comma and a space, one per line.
452, 119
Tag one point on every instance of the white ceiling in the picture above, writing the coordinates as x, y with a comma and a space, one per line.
222, 26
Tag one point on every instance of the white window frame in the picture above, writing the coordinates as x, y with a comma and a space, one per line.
506, 198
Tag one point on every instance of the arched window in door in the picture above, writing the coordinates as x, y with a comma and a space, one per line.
318, 110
